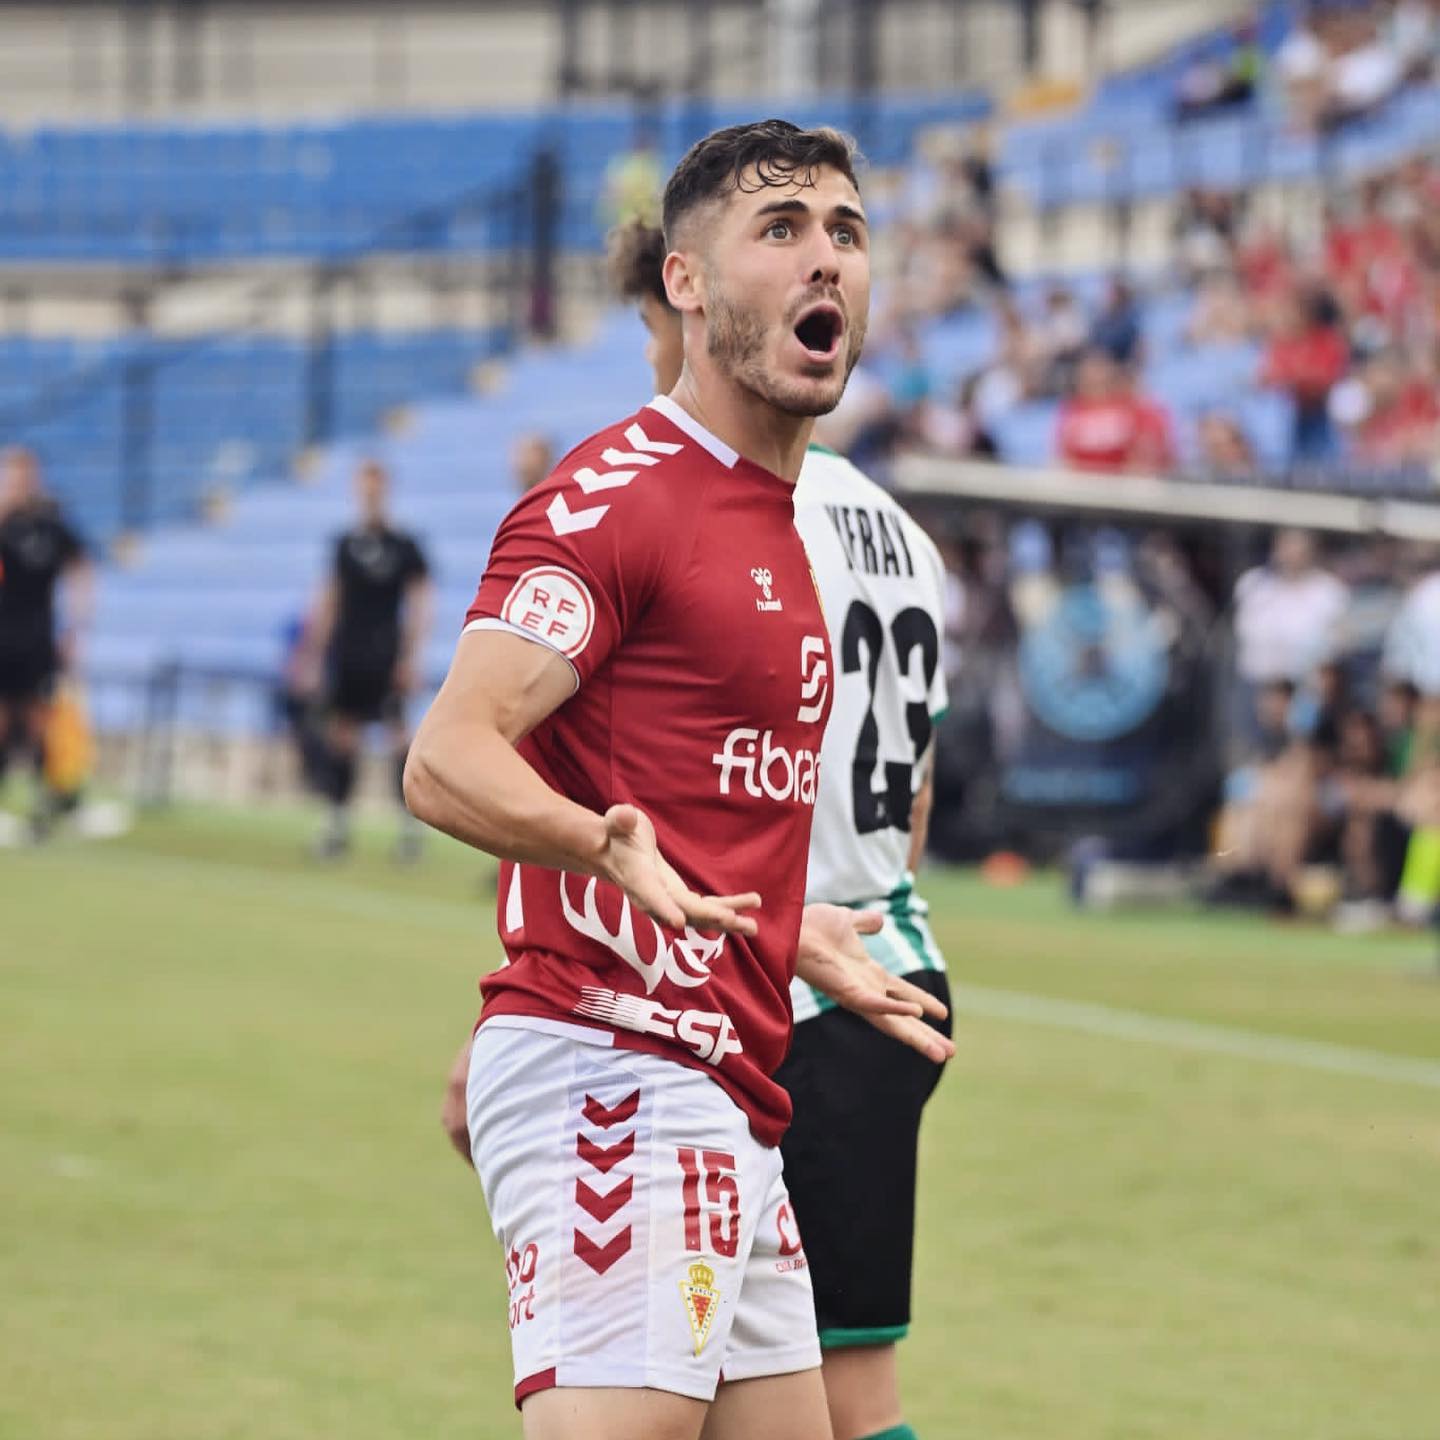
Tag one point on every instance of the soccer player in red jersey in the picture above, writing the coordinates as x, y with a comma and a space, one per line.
632, 723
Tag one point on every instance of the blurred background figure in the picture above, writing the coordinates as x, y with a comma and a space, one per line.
531, 458
42, 633
362, 644
1213, 85
1289, 616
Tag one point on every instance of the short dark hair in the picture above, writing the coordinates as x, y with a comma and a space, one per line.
777, 151
637, 261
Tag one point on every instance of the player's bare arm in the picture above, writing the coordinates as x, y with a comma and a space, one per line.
419, 613
319, 628
920, 810
465, 777
79, 582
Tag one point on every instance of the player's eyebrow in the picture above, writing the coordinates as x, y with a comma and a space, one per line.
796, 206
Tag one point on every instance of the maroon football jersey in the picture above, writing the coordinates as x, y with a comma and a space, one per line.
667, 570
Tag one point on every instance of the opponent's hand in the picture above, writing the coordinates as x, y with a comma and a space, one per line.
833, 959
632, 860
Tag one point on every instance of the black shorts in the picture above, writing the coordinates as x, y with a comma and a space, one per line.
850, 1157
27, 670
364, 690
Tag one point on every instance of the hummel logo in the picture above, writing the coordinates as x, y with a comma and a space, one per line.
765, 580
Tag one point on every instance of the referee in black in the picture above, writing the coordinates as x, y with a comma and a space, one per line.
362, 649
38, 553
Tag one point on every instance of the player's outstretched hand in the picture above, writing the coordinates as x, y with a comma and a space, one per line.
834, 960
632, 860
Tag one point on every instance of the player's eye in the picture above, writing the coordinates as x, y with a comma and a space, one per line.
784, 228
845, 235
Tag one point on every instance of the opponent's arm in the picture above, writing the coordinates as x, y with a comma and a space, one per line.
920, 809
464, 776
452, 1107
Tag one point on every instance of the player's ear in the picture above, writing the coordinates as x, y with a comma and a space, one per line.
684, 277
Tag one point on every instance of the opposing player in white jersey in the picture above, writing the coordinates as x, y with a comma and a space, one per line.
850, 1153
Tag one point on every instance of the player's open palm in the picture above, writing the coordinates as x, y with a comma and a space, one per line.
632, 860
832, 957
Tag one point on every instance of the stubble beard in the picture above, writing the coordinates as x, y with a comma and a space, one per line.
735, 341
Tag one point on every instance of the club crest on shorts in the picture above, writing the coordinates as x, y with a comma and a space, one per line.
702, 1300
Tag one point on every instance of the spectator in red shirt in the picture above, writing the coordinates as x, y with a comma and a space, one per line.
1369, 260
1106, 425
1393, 414
1307, 358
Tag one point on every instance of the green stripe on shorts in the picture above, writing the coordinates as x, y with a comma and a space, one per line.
849, 1339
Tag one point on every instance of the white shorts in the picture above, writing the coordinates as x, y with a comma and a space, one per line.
647, 1235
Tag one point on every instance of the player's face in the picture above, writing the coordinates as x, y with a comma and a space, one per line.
19, 481
787, 290
370, 487
665, 349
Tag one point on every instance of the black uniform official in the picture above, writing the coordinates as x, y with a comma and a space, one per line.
374, 568
37, 547
369, 629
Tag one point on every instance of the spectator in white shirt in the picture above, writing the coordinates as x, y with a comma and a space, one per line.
1289, 614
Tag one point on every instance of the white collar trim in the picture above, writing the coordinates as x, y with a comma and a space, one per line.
684, 420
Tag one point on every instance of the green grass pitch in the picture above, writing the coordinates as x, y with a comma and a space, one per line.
1183, 1181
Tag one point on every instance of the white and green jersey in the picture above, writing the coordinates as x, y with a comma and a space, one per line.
882, 583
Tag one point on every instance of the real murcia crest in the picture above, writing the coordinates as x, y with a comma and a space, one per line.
702, 1300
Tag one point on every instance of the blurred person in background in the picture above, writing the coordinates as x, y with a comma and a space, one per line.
1213, 86
1371, 266
1225, 450
363, 643
1389, 413
1412, 658
1282, 808
1107, 425
1307, 357
1288, 618
634, 180
1060, 336
1289, 612
1338, 65
1205, 230
1365, 792
1223, 314
956, 429
1262, 831
531, 459
1010, 377
1117, 330
39, 554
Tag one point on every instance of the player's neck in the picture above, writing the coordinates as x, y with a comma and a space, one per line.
748, 424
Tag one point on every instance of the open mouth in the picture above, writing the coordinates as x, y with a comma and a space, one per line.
819, 331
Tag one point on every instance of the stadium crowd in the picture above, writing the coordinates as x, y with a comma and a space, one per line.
1331, 326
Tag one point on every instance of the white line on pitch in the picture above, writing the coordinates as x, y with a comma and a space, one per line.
1092, 1019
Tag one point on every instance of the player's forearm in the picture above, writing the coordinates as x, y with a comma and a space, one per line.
476, 787
920, 823
81, 587
419, 614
